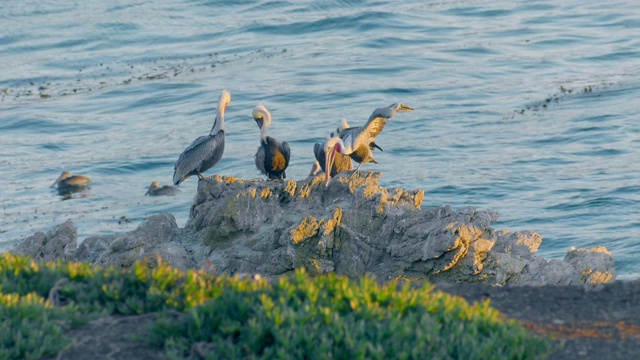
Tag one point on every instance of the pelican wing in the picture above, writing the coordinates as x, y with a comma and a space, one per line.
377, 122
195, 155
260, 159
286, 151
318, 151
76, 180
379, 117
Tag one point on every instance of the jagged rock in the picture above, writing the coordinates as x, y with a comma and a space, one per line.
354, 227
351, 227
59, 243
125, 250
171, 253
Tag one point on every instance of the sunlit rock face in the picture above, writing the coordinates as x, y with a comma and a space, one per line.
351, 227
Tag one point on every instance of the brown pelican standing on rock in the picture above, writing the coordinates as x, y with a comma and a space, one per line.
334, 149
358, 141
205, 151
272, 157
156, 190
339, 162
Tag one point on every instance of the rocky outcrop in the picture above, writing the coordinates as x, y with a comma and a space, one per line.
59, 243
351, 227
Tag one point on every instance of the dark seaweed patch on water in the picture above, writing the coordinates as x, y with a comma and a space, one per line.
105, 75
564, 93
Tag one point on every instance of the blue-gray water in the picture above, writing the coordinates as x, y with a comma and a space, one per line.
528, 108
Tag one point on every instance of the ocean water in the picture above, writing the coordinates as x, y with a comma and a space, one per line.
527, 108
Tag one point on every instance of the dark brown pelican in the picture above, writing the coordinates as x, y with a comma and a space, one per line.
68, 184
156, 190
358, 141
340, 162
205, 151
272, 157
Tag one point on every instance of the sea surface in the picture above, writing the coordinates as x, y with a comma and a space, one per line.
528, 108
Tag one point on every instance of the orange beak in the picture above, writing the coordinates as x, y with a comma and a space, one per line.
328, 163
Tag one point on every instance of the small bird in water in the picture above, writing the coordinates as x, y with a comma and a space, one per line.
358, 141
273, 156
67, 184
156, 190
205, 151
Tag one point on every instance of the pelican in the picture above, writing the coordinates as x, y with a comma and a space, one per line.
339, 163
205, 151
333, 147
156, 190
344, 126
65, 180
358, 141
272, 157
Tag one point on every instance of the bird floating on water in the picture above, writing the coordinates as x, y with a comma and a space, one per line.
156, 190
273, 156
205, 151
67, 183
67, 180
358, 141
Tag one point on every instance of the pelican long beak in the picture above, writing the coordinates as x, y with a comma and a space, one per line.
148, 190
403, 107
259, 121
57, 181
328, 163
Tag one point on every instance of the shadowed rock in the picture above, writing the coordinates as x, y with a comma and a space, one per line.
58, 243
351, 227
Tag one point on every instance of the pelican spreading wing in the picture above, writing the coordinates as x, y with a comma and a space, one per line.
205, 151
359, 140
272, 158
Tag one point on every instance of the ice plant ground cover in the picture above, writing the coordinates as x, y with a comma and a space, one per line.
298, 316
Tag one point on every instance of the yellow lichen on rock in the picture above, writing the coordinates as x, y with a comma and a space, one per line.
331, 224
305, 190
231, 179
308, 228
600, 249
291, 187
418, 197
596, 277
266, 193
245, 194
